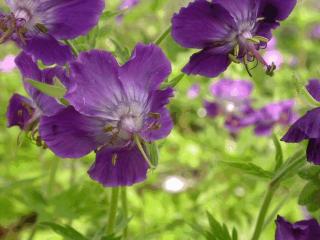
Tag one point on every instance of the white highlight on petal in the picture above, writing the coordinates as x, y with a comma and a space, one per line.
174, 184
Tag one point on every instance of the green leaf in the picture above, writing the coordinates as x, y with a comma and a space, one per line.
172, 83
279, 153
153, 153
111, 237
250, 168
57, 90
308, 193
66, 231
310, 173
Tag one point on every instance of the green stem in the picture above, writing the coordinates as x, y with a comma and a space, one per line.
163, 36
263, 211
52, 176
113, 210
73, 48
125, 210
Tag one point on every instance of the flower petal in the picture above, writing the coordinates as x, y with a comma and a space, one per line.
72, 135
209, 63
128, 167
307, 127
96, 88
29, 70
200, 24
20, 111
313, 153
158, 100
276, 10
147, 68
212, 108
313, 88
69, 19
47, 49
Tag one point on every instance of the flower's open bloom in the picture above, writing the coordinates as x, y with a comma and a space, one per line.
227, 31
114, 110
274, 113
232, 99
308, 126
37, 26
26, 112
303, 230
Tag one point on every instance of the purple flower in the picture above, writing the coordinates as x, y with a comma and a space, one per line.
26, 112
272, 114
37, 26
193, 91
127, 4
115, 109
315, 32
226, 31
308, 126
7, 64
232, 99
303, 230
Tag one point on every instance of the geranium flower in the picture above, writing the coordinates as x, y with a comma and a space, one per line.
38, 26
228, 31
115, 109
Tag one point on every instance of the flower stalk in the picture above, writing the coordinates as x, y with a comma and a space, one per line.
113, 210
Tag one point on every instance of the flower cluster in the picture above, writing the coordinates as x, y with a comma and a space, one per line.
233, 101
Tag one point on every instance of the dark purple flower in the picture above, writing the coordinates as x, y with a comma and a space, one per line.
226, 31
115, 110
37, 26
303, 230
233, 100
308, 126
275, 113
25, 112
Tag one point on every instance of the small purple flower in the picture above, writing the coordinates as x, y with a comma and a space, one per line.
303, 230
26, 112
227, 31
7, 64
232, 99
275, 113
315, 32
37, 26
193, 91
115, 109
308, 126
127, 4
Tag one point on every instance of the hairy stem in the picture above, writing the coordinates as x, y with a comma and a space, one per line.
113, 210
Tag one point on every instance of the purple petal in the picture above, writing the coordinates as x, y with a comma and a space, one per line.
129, 167
238, 90
276, 10
96, 87
20, 111
158, 100
147, 68
313, 88
47, 49
201, 24
29, 70
244, 10
212, 109
313, 153
303, 230
72, 18
264, 29
72, 135
307, 127
209, 63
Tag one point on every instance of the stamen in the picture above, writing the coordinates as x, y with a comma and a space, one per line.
42, 28
108, 128
233, 58
154, 115
114, 159
140, 147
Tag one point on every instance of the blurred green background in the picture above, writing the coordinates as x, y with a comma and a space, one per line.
193, 153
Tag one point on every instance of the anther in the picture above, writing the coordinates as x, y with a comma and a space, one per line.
154, 115
114, 159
